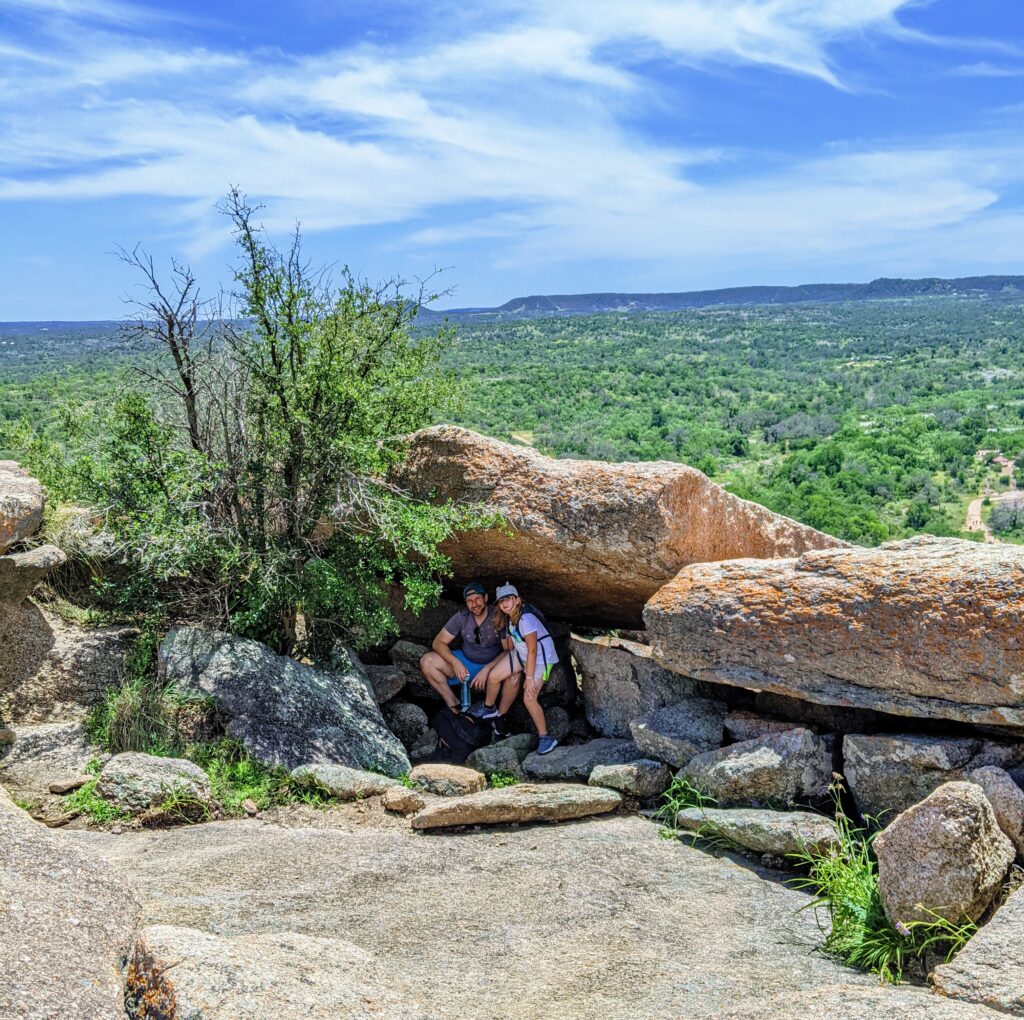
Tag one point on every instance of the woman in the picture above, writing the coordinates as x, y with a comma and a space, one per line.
531, 653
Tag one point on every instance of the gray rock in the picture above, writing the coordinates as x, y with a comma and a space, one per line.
678, 732
642, 778
425, 746
765, 832
1007, 800
194, 975
345, 783
406, 657
407, 721
990, 969
447, 780
579, 760
943, 856
46, 754
62, 787
497, 758
887, 774
21, 504
779, 768
387, 682
284, 712
740, 726
7, 736
68, 918
135, 782
558, 721
522, 743
621, 681
925, 627
20, 572
522, 803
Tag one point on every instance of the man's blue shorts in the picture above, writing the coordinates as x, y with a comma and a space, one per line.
473, 667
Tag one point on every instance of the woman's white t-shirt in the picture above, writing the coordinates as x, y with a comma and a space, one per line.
546, 654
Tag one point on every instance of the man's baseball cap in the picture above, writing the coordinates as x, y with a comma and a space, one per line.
474, 588
505, 589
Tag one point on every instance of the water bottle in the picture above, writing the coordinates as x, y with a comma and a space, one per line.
464, 698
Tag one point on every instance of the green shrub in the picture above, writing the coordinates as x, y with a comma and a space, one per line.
86, 801
844, 881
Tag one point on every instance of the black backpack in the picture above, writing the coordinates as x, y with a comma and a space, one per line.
460, 734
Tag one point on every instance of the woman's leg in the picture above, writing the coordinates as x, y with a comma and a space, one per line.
500, 672
530, 699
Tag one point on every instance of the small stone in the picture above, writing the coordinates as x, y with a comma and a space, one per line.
403, 801
249, 807
497, 758
343, 782
7, 736
447, 780
642, 778
60, 787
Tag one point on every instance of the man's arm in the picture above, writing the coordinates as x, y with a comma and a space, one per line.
442, 645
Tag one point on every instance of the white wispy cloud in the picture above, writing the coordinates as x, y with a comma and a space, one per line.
527, 121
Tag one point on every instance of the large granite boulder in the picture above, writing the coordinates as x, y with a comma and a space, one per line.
1007, 800
284, 712
594, 539
551, 802
344, 783
620, 681
779, 768
944, 856
46, 753
135, 782
677, 733
407, 721
765, 832
990, 968
926, 627
21, 504
643, 778
67, 920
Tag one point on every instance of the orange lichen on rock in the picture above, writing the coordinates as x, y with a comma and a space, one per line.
925, 627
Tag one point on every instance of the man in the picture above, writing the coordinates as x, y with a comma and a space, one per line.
445, 667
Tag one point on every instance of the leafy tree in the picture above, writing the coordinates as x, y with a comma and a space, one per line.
245, 473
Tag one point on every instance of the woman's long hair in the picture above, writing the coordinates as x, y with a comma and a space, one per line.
502, 621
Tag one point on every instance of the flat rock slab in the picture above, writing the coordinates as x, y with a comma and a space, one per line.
66, 918
402, 801
599, 920
46, 754
579, 760
345, 783
599, 538
271, 976
764, 832
447, 780
21, 504
20, 572
926, 627
990, 969
525, 802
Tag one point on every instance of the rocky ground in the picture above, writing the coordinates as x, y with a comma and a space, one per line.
599, 918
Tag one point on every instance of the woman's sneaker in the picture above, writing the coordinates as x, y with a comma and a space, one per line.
546, 745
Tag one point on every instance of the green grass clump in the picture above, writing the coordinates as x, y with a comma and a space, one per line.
844, 880
680, 794
85, 800
499, 779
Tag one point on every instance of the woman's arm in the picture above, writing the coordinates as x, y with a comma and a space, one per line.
531, 654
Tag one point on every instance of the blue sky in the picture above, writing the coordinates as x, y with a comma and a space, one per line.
528, 146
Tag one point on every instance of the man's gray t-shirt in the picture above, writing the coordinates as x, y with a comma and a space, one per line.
480, 643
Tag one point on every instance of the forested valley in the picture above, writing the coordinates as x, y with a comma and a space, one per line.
870, 420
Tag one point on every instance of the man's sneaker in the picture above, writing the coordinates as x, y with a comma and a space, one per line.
546, 745
482, 711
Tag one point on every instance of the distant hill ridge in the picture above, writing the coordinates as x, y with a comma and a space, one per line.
554, 304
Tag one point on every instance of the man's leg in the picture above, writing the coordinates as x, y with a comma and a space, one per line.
437, 673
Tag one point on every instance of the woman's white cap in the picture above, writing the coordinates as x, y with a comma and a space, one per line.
505, 589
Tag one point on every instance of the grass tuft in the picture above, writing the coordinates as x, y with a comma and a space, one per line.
499, 779
844, 881
85, 800
680, 794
